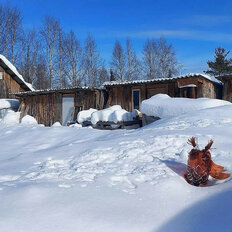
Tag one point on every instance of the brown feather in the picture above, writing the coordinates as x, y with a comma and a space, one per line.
217, 172
192, 141
208, 146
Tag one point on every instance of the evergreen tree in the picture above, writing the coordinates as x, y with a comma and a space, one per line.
112, 78
221, 65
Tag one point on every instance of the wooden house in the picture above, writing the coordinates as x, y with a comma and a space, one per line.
59, 105
227, 87
130, 94
10, 80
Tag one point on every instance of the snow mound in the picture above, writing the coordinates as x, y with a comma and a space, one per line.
85, 115
113, 114
29, 120
163, 106
56, 124
9, 103
11, 118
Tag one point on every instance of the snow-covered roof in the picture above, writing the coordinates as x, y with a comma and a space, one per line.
42, 91
213, 79
16, 75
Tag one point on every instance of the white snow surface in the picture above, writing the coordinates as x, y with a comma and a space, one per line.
56, 124
29, 120
85, 115
113, 114
80, 179
11, 118
9, 103
163, 106
15, 71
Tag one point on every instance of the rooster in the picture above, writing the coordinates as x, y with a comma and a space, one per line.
200, 166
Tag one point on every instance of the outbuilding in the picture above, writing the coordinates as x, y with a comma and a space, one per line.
10, 80
59, 105
227, 87
130, 94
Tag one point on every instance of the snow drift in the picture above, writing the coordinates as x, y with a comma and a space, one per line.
163, 106
63, 179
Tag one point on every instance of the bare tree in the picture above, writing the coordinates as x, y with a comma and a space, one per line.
118, 62
159, 59
49, 33
10, 31
16, 33
29, 56
74, 60
168, 65
61, 58
92, 62
42, 81
132, 63
150, 59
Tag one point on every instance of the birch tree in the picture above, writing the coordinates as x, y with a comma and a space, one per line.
132, 63
29, 57
118, 63
92, 62
150, 59
49, 33
10, 31
74, 60
168, 64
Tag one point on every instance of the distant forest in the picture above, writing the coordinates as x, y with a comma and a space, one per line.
49, 57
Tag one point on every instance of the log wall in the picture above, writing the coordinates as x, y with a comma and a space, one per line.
122, 94
47, 107
227, 89
8, 85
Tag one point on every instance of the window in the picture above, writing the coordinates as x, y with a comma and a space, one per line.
1, 76
136, 99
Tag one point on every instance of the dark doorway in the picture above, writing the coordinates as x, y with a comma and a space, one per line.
136, 99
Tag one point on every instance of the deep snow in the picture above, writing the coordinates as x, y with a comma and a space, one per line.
163, 106
82, 179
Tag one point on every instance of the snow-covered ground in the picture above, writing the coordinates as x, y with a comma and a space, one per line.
65, 179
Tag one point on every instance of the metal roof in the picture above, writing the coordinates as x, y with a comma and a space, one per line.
61, 90
199, 75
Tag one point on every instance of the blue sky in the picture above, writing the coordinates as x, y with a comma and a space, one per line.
194, 28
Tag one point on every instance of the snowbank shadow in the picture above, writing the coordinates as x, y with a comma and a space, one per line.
177, 167
211, 214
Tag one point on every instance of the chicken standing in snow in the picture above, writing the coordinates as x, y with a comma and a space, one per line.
200, 166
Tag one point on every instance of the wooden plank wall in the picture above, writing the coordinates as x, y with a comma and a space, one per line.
47, 108
122, 94
8, 85
227, 90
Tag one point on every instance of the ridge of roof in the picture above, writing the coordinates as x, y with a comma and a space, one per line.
213, 79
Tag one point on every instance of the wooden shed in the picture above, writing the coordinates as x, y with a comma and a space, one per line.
130, 94
59, 105
227, 87
10, 80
